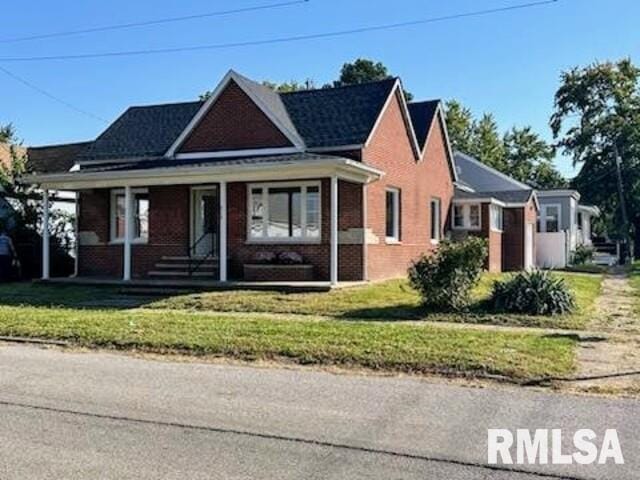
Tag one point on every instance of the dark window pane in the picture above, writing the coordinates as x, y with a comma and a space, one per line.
390, 215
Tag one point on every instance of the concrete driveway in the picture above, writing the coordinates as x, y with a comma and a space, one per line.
98, 415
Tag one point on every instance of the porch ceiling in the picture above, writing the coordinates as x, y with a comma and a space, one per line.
175, 172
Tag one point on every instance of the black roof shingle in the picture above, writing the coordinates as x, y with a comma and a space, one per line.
507, 196
422, 115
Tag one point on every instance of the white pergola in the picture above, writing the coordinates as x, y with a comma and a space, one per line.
335, 168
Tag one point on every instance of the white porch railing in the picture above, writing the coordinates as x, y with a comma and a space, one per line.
552, 249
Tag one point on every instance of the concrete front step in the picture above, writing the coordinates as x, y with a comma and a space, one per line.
185, 266
180, 273
185, 259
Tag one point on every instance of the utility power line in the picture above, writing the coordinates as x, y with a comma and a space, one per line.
51, 96
147, 23
288, 39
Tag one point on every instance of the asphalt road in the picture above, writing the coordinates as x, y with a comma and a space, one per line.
96, 415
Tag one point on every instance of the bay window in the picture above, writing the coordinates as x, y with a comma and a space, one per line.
140, 215
284, 212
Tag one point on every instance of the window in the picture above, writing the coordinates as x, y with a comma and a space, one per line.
497, 220
458, 216
466, 216
435, 220
551, 218
140, 215
393, 215
284, 212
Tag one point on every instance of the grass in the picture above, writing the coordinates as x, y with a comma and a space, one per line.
392, 300
363, 327
416, 348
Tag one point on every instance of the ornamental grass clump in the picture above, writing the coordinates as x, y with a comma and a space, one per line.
536, 292
445, 279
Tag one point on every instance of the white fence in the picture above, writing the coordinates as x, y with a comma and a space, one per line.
551, 250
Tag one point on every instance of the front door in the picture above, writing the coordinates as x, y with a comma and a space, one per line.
204, 230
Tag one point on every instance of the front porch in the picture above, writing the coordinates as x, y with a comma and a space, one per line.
159, 232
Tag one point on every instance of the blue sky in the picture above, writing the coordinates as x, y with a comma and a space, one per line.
507, 63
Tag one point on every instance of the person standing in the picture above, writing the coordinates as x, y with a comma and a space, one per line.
7, 254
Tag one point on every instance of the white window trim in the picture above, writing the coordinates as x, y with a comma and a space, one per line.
303, 214
395, 238
438, 202
492, 209
543, 216
112, 216
466, 217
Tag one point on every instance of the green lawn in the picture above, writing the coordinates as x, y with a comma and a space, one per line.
419, 348
392, 300
351, 327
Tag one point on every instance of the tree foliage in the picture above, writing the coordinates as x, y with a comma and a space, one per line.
24, 222
597, 111
520, 153
361, 70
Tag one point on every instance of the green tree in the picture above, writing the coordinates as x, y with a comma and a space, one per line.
520, 152
460, 123
596, 118
25, 222
363, 70
486, 143
529, 159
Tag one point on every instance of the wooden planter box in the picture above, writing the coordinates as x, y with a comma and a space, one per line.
278, 273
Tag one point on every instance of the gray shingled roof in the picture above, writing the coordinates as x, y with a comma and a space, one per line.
422, 115
55, 158
338, 116
142, 132
506, 196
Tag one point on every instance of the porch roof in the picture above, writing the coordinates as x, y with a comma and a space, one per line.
167, 171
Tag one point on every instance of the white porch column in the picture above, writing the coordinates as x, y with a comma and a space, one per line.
45, 235
334, 230
76, 263
128, 233
222, 261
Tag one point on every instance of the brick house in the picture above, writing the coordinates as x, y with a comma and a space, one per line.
496, 206
355, 180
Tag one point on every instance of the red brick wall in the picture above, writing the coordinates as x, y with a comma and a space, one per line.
168, 232
350, 260
418, 180
234, 122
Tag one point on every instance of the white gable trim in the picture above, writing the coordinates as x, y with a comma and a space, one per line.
405, 114
231, 75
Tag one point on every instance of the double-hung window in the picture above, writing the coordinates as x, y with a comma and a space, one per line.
140, 215
466, 216
435, 220
497, 219
392, 209
284, 212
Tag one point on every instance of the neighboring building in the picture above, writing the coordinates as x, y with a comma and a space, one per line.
560, 222
353, 179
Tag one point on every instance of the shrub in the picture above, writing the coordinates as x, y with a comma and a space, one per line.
582, 255
445, 278
535, 293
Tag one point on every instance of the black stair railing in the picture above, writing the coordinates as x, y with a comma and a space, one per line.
194, 266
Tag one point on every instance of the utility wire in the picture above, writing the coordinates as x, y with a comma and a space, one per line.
338, 33
51, 96
148, 23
